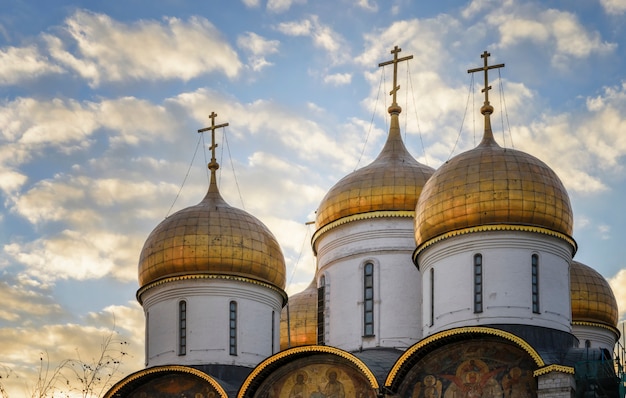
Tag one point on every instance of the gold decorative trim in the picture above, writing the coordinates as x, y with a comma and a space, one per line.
496, 227
458, 331
162, 369
360, 216
163, 281
307, 349
597, 325
554, 368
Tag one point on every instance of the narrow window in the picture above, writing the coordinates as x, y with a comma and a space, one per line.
478, 283
368, 299
147, 344
182, 327
432, 296
273, 330
233, 328
535, 282
321, 293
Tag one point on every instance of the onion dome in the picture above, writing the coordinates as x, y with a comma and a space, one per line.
592, 297
212, 238
298, 319
391, 183
490, 187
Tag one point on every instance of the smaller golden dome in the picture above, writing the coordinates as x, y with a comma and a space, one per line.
212, 238
392, 182
298, 319
592, 297
491, 185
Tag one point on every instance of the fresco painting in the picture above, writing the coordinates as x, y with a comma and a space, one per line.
176, 386
318, 381
472, 370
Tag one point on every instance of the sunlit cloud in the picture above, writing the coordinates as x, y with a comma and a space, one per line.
22, 64
258, 48
109, 50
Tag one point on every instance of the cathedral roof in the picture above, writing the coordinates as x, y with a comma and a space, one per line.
298, 320
214, 238
592, 297
492, 186
391, 184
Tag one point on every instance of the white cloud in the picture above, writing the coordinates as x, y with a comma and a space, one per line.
558, 32
108, 50
338, 79
251, 3
258, 48
79, 255
279, 6
618, 285
323, 37
369, 5
614, 7
21, 64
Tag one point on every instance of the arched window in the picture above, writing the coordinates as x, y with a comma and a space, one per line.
368, 299
478, 283
535, 282
321, 303
232, 343
182, 327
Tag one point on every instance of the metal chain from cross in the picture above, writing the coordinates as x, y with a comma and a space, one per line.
213, 165
486, 68
395, 61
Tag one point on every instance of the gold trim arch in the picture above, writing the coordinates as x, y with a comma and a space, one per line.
446, 334
284, 357
117, 387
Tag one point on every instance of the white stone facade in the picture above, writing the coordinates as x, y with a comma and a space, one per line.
207, 328
506, 284
342, 254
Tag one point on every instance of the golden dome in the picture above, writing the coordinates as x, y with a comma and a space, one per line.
212, 238
299, 326
592, 298
490, 185
392, 182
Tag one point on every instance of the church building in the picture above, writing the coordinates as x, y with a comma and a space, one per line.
458, 282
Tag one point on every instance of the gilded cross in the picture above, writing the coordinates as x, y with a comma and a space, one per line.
486, 68
213, 165
395, 61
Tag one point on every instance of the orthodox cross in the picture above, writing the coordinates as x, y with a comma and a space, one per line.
486, 68
395, 61
213, 165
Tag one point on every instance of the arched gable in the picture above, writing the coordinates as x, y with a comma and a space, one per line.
165, 381
455, 361
311, 371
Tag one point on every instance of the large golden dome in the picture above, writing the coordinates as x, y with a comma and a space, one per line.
592, 298
491, 186
212, 238
392, 182
298, 319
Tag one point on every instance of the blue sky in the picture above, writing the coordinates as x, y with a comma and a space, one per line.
100, 103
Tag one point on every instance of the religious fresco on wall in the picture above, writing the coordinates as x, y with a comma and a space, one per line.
176, 386
472, 369
315, 380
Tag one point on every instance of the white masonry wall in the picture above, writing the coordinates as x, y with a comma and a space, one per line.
342, 252
506, 284
208, 310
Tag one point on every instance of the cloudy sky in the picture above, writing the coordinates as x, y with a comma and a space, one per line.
100, 103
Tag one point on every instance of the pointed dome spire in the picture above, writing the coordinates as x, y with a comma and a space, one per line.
392, 183
212, 238
492, 187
